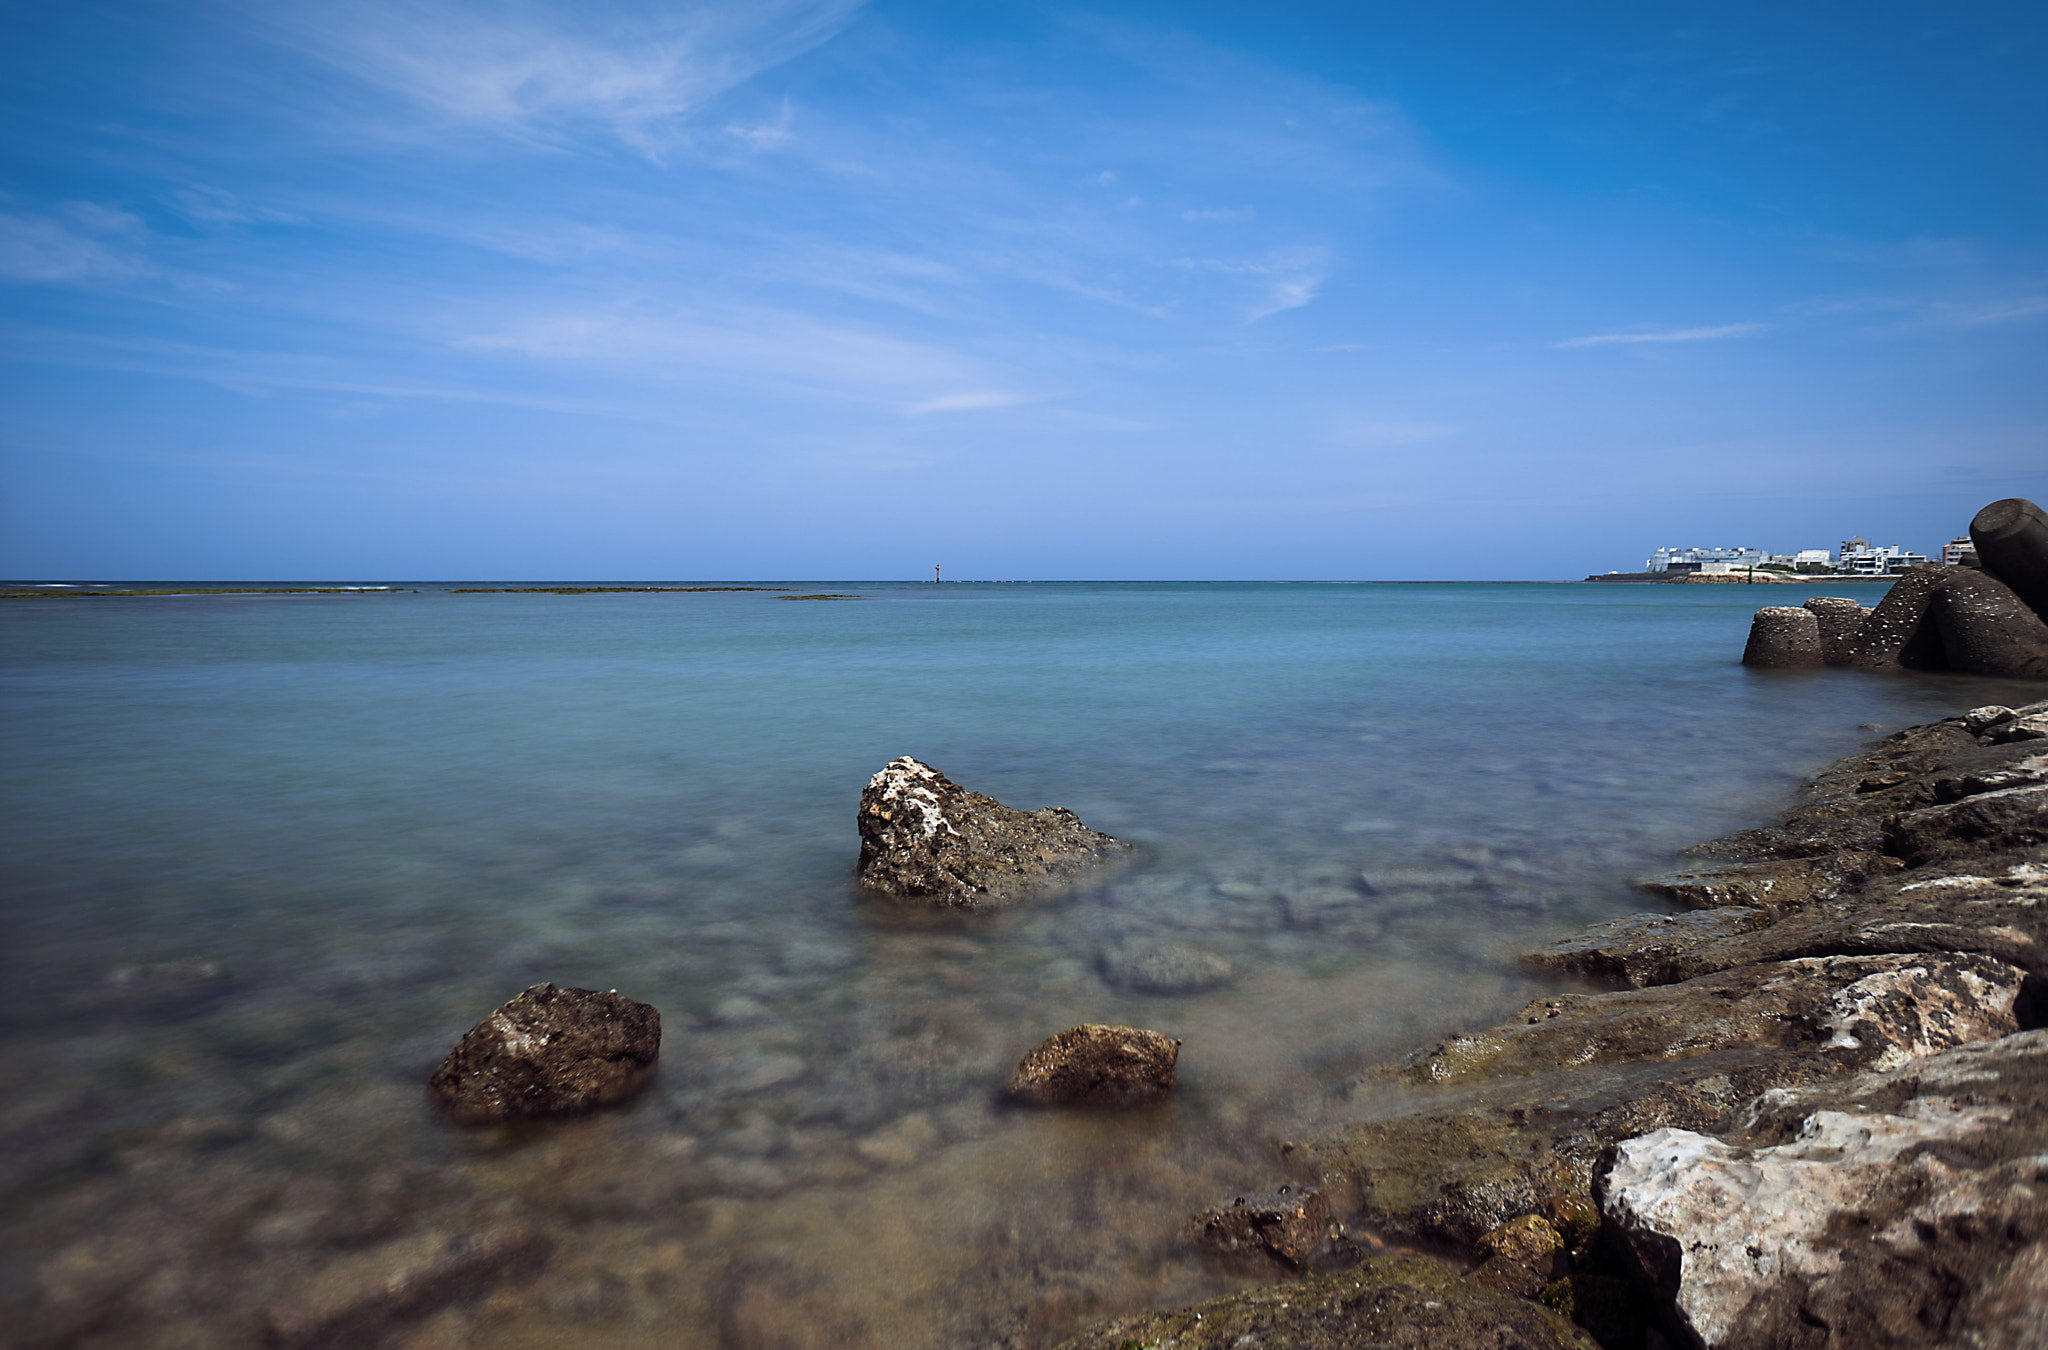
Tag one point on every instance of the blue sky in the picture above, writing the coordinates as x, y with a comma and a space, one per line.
806, 288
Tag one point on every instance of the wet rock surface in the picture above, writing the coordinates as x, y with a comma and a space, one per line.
1094, 1065
1285, 1222
1385, 1302
549, 1052
924, 837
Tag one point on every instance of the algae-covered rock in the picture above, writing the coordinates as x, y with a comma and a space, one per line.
1385, 1303
1523, 1256
1094, 1065
924, 837
548, 1052
1288, 1223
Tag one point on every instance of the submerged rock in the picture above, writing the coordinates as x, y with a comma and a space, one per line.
925, 837
549, 1052
1384, 1303
358, 1298
1163, 968
1097, 1065
1287, 1223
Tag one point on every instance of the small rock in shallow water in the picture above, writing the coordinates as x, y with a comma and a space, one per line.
925, 837
1286, 1223
549, 1052
1097, 1066
1163, 968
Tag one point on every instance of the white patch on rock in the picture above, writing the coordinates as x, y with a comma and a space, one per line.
903, 784
1741, 1219
1917, 1014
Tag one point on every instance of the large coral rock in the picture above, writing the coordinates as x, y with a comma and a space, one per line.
549, 1052
1898, 1209
924, 836
1386, 1303
1096, 1065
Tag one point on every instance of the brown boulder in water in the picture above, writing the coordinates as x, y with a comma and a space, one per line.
925, 837
1095, 1065
549, 1052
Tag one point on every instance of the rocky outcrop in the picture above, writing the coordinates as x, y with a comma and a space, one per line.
1783, 637
1095, 1065
1384, 1303
1285, 1222
1905, 1208
549, 1052
924, 837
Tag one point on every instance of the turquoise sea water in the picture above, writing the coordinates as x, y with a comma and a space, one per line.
266, 857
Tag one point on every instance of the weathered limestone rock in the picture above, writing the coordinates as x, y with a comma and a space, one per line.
2011, 538
1987, 629
1386, 1303
549, 1052
1287, 1223
2014, 817
1840, 620
1097, 1065
356, 1299
1163, 968
1857, 1009
1645, 949
1782, 637
1773, 884
1900, 632
923, 836
1900, 1209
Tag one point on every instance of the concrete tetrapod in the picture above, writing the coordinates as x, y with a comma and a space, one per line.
1840, 620
1783, 638
1987, 629
2011, 537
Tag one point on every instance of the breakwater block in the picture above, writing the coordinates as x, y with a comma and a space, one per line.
1899, 634
1783, 638
549, 1052
2011, 538
1987, 629
1840, 620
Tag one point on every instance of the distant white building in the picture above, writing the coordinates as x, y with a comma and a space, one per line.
1861, 558
1696, 559
1953, 551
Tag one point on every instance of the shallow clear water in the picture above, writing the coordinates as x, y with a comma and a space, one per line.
378, 816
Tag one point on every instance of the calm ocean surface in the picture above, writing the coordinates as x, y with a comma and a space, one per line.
337, 830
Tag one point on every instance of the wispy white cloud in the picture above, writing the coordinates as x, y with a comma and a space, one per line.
968, 402
80, 242
1714, 334
216, 206
535, 71
1217, 214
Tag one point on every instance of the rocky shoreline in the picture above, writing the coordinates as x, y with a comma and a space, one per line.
1810, 1113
